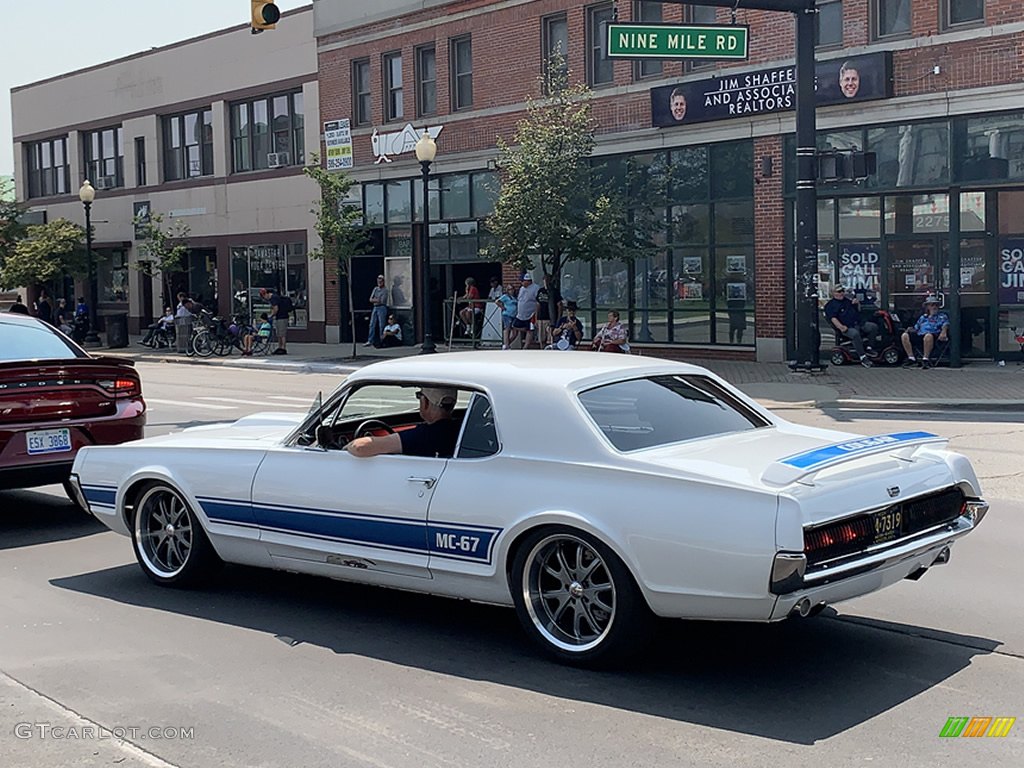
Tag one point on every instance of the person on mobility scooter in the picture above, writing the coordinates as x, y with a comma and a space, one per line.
864, 332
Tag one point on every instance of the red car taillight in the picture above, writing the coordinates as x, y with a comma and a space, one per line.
121, 387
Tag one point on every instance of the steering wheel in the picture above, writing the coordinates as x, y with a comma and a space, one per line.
371, 424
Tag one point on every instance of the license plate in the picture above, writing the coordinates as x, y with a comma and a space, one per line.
49, 441
887, 525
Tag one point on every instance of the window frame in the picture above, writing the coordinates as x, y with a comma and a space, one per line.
691, 15
548, 43
646, 69
945, 11
294, 131
166, 122
362, 101
422, 82
140, 161
394, 110
457, 104
596, 53
877, 17
37, 173
819, 4
93, 166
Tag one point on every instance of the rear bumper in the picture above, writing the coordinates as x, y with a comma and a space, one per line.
20, 469
876, 571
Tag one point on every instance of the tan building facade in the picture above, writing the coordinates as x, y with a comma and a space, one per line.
211, 132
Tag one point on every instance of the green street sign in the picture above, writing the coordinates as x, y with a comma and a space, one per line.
674, 41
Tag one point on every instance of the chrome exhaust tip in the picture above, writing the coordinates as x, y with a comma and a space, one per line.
943, 557
817, 609
802, 608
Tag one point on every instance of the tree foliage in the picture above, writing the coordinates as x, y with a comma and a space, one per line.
338, 224
12, 229
45, 252
161, 250
555, 205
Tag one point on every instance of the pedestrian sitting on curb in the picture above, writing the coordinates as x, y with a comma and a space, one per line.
844, 315
932, 325
392, 336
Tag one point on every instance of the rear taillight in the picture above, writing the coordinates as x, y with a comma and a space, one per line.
121, 387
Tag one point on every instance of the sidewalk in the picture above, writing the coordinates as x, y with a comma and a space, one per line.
977, 386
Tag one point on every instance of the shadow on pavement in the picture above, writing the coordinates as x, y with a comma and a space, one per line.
799, 681
30, 517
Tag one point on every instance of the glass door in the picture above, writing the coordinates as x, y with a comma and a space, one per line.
975, 297
914, 273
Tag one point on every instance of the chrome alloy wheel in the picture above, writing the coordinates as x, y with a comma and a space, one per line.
163, 532
569, 593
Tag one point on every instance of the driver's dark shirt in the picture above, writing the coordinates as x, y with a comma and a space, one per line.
433, 440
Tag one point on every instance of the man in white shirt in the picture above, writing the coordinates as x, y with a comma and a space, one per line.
526, 309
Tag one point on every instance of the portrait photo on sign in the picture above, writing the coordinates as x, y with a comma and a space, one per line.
855, 78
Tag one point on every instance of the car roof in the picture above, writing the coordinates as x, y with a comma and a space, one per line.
16, 318
501, 370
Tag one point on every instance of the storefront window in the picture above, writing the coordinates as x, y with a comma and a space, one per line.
611, 278
399, 199
112, 275
690, 173
276, 266
916, 214
990, 147
455, 196
910, 155
860, 267
576, 283
732, 170
650, 298
690, 224
734, 268
439, 249
860, 217
972, 211
734, 222
373, 200
826, 218
464, 241
485, 193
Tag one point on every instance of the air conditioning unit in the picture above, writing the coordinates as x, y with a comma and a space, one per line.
277, 159
106, 182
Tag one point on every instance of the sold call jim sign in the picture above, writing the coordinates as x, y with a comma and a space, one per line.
672, 41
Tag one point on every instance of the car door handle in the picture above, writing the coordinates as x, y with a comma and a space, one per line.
427, 481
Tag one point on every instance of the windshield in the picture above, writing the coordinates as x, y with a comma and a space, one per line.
659, 410
35, 341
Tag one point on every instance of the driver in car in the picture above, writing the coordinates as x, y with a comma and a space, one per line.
435, 437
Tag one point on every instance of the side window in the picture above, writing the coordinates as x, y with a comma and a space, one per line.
479, 437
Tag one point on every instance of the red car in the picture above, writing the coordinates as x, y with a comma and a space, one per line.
55, 398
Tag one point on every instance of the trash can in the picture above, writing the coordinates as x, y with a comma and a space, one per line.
117, 331
182, 333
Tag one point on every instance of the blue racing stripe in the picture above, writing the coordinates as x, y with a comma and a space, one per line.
811, 459
100, 494
360, 530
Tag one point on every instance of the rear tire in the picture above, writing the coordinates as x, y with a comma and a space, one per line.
837, 357
577, 600
169, 541
891, 356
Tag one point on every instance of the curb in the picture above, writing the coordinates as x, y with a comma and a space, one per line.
258, 364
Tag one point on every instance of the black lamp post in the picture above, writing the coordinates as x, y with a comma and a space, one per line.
87, 194
426, 151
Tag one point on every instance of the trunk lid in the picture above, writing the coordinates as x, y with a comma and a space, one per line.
52, 391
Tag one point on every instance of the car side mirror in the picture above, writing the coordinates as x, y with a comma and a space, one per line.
324, 436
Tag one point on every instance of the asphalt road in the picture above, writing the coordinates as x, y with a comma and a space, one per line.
269, 669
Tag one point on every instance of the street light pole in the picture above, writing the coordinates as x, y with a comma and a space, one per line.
87, 194
426, 151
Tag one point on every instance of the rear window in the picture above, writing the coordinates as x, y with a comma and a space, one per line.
35, 341
659, 410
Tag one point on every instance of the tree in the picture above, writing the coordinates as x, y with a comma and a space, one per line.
46, 251
161, 251
553, 207
338, 225
12, 229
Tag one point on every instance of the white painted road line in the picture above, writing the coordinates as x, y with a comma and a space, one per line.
191, 404
304, 400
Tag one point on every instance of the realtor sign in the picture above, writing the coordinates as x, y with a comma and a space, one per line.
338, 143
673, 41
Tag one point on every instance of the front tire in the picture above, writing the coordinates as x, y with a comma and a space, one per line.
577, 600
837, 357
169, 541
891, 356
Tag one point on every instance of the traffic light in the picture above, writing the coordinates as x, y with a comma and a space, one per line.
264, 16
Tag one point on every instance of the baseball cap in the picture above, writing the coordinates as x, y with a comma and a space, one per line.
932, 300
441, 396
838, 288
528, 276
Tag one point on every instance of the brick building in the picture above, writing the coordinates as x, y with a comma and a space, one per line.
938, 97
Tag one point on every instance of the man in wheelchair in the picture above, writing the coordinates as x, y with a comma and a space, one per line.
843, 314
930, 333
435, 437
